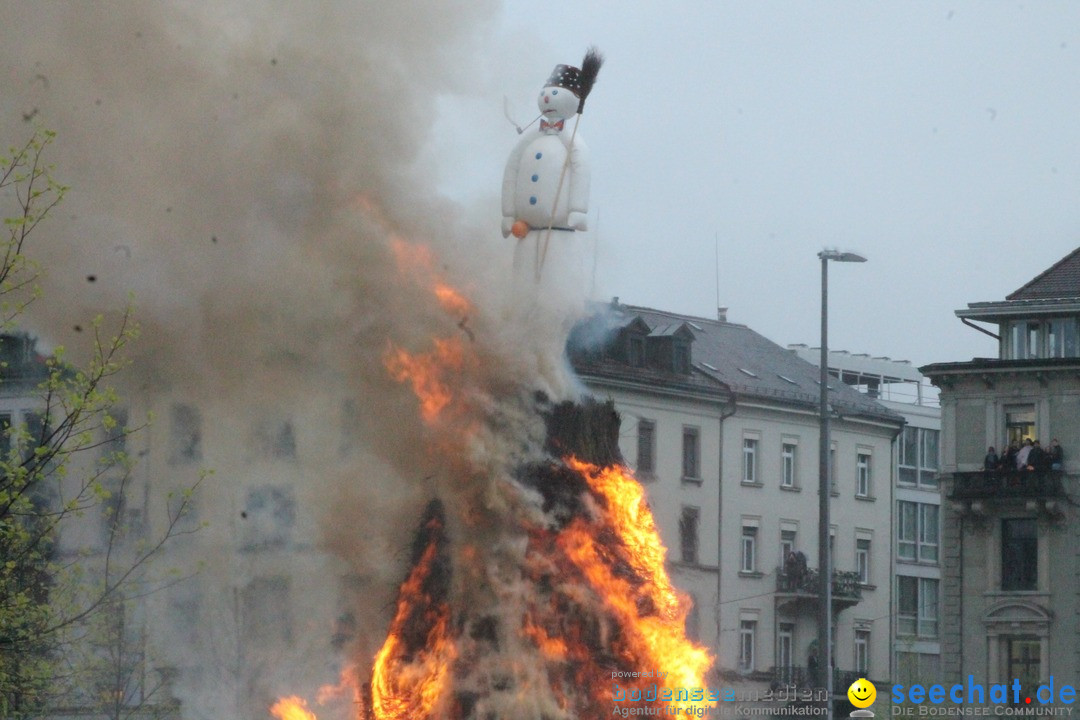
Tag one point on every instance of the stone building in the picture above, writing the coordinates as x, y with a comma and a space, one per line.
1010, 606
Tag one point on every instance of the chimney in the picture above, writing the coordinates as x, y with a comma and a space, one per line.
721, 314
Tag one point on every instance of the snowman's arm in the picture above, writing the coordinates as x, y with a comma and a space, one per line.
578, 205
513, 164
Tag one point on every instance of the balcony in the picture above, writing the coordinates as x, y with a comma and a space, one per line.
1008, 484
794, 591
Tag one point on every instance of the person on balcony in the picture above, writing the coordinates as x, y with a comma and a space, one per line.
1022, 455
1057, 455
1038, 459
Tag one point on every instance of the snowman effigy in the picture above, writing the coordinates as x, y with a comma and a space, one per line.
545, 193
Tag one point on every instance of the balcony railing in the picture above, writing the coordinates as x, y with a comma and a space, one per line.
990, 484
845, 584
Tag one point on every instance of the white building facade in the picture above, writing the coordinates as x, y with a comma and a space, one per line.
722, 427
916, 504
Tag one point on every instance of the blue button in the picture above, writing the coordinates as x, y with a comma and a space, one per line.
539, 155
532, 200
535, 178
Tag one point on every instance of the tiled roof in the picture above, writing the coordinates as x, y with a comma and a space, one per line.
1060, 280
745, 362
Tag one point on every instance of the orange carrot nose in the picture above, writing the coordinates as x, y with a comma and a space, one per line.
547, 98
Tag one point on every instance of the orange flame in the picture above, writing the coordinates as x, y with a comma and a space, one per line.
291, 708
651, 614
429, 373
406, 683
451, 300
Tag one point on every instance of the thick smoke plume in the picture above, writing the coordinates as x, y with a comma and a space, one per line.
252, 175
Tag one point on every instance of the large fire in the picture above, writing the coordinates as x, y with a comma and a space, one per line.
539, 593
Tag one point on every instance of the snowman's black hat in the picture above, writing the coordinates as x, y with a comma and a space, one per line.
577, 80
566, 76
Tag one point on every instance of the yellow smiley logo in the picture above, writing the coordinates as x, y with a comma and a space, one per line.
862, 693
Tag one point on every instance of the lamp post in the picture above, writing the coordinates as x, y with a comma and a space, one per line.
825, 650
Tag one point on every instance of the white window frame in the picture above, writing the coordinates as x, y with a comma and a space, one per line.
690, 512
928, 611
863, 469
923, 468
787, 544
924, 621
643, 424
862, 559
748, 556
785, 647
749, 460
747, 645
695, 471
788, 455
929, 533
862, 652
924, 545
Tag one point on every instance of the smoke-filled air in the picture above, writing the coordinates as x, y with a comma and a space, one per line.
253, 176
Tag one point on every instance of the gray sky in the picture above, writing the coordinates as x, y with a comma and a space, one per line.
940, 140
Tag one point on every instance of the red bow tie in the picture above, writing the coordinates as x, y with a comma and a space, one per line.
545, 125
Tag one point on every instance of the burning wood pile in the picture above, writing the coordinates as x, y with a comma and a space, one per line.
598, 613
536, 586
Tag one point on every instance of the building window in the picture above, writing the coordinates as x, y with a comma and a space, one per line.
862, 652
275, 439
862, 560
681, 357
1054, 337
185, 440
787, 455
691, 454
1020, 423
637, 351
749, 460
833, 487
116, 430
1019, 554
928, 532
688, 534
917, 606
918, 457
1061, 338
747, 643
749, 549
787, 546
862, 475
1023, 657
917, 531
646, 447
267, 518
785, 652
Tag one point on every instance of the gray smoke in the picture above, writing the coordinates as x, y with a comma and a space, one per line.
244, 169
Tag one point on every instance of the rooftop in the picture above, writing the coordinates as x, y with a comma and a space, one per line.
727, 358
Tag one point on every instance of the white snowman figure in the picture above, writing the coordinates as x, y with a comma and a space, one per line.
545, 193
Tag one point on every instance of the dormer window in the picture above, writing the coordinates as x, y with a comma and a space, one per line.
668, 348
681, 356
636, 349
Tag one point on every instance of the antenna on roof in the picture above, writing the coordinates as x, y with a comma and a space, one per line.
721, 312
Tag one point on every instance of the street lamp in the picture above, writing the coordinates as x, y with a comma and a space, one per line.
824, 556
